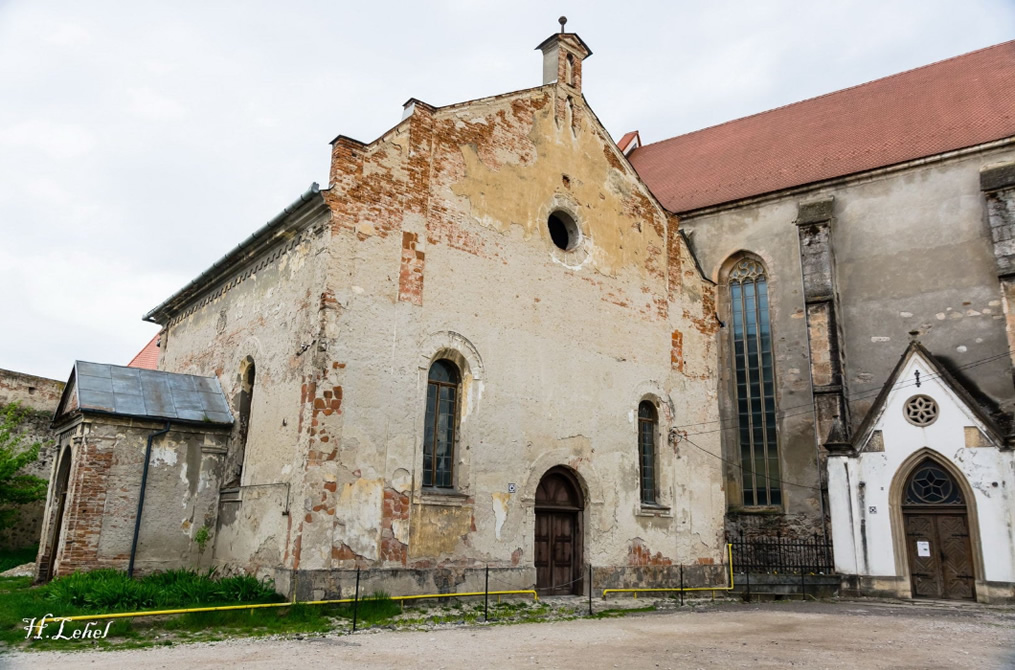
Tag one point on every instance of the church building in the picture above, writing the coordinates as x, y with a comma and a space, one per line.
499, 338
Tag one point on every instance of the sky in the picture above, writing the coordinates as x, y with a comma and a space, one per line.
141, 141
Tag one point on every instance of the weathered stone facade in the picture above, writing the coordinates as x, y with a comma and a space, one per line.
39, 396
436, 242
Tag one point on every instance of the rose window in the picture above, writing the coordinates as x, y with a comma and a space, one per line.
920, 410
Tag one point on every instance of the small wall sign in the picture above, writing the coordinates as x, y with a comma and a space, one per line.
923, 548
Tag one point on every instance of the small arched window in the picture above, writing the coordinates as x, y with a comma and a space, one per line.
569, 70
441, 424
648, 425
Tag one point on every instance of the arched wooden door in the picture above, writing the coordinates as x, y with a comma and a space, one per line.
937, 534
558, 537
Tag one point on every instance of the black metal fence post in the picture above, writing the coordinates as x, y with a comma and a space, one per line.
355, 603
486, 596
590, 589
681, 584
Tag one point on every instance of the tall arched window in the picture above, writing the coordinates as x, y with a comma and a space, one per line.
648, 424
755, 383
441, 424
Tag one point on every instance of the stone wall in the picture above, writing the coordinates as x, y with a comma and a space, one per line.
39, 396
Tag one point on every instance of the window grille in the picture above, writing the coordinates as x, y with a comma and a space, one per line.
440, 424
648, 423
755, 384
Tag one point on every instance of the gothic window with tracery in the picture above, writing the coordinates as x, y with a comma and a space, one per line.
753, 369
930, 484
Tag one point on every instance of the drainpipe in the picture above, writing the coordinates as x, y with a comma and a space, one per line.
140, 500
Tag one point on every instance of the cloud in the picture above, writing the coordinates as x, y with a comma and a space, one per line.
151, 105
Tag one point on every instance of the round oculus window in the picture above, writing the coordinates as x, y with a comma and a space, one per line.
564, 230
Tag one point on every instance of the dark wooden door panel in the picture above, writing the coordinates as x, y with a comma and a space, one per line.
956, 557
948, 570
925, 571
544, 577
555, 551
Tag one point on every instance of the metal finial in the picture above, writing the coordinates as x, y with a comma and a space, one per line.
562, 20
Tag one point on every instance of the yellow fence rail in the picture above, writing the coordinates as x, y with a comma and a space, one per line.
225, 608
343, 601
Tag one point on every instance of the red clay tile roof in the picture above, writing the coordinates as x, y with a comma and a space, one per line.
147, 358
952, 104
626, 140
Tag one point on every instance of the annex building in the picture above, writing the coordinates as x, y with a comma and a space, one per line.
499, 338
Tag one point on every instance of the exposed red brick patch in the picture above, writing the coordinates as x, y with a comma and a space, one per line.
410, 272
677, 351
395, 508
706, 561
639, 554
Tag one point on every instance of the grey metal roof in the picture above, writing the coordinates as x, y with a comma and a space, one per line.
150, 393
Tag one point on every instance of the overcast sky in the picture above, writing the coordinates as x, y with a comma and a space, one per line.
141, 141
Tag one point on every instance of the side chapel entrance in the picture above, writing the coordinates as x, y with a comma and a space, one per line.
937, 534
558, 537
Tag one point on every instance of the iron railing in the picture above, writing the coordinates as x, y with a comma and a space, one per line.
782, 555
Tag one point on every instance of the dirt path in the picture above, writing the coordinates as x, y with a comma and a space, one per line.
774, 635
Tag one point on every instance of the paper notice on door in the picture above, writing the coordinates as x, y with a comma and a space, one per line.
923, 548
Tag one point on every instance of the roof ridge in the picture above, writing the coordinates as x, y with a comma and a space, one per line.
829, 94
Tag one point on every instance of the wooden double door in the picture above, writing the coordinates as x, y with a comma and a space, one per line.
940, 555
937, 534
558, 540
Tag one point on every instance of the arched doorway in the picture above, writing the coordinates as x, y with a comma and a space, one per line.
56, 517
937, 534
558, 536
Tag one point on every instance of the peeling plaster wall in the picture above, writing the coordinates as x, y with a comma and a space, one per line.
865, 537
438, 247
912, 252
105, 482
40, 396
269, 309
441, 231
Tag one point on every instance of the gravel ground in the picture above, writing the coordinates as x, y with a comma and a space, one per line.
845, 634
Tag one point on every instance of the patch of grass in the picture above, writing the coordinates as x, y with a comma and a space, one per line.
614, 613
12, 558
112, 591
108, 591
374, 610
